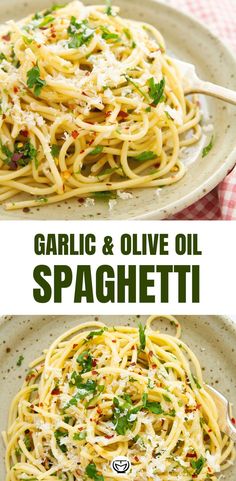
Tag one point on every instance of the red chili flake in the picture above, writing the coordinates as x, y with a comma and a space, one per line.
16, 89
31, 406
198, 406
25, 133
75, 134
133, 348
7, 37
74, 346
94, 362
109, 436
82, 151
99, 410
123, 114
113, 340
108, 113
133, 364
191, 455
194, 476
154, 366
41, 405
91, 142
30, 376
209, 430
233, 420
80, 429
94, 373
53, 35
90, 407
136, 458
104, 377
81, 200
55, 391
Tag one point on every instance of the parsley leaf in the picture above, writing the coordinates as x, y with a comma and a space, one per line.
132, 82
97, 150
152, 406
105, 194
92, 334
55, 150
80, 436
108, 35
28, 441
59, 435
34, 80
196, 382
2, 57
20, 360
85, 360
84, 389
91, 471
156, 91
80, 33
124, 416
48, 19
148, 155
142, 337
198, 465
53, 9
108, 10
208, 147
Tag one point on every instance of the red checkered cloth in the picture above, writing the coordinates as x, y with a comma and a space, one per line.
220, 17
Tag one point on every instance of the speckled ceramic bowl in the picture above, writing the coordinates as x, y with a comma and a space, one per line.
190, 41
212, 338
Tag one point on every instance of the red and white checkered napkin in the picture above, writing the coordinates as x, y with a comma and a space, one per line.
220, 17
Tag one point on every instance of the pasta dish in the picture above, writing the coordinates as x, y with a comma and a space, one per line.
91, 105
101, 392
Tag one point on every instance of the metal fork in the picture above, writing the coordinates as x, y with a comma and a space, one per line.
225, 412
195, 85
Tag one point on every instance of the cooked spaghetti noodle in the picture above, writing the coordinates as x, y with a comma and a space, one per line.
115, 391
90, 104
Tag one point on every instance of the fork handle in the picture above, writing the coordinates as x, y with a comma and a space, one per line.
213, 90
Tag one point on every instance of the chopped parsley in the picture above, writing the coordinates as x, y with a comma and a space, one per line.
108, 35
55, 150
167, 399
105, 194
80, 33
97, 150
20, 360
34, 80
128, 79
198, 465
93, 334
208, 148
28, 441
108, 10
84, 389
22, 155
2, 57
54, 8
80, 436
48, 19
196, 382
124, 416
148, 155
59, 435
156, 90
152, 406
91, 471
142, 337
85, 360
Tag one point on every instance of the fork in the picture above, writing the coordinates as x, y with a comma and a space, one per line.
224, 409
195, 85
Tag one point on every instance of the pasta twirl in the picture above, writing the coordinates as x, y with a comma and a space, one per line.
100, 392
90, 103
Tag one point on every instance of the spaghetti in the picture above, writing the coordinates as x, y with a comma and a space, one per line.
90, 104
100, 392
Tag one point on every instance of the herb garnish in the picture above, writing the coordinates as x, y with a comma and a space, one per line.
80, 436
84, 389
80, 33
124, 416
208, 147
198, 465
59, 435
93, 334
142, 337
108, 35
108, 10
196, 382
22, 155
34, 80
55, 150
97, 150
156, 91
128, 79
20, 360
85, 360
152, 406
148, 155
28, 441
91, 471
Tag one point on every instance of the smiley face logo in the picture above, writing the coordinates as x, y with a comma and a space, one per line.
120, 465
